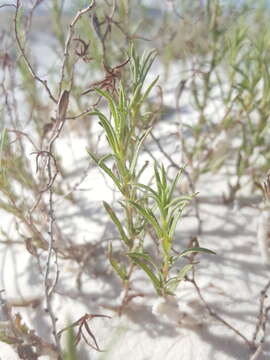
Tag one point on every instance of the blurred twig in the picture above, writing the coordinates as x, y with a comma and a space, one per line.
23, 53
251, 345
69, 39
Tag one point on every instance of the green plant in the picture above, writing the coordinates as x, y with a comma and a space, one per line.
169, 210
125, 145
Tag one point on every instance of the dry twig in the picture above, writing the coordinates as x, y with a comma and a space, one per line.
251, 345
109, 82
83, 325
23, 53
69, 39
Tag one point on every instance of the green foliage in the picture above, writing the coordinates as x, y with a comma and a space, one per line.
169, 209
166, 209
71, 351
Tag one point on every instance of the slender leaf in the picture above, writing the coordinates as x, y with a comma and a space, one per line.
148, 215
137, 149
196, 249
119, 269
148, 271
117, 222
148, 90
174, 223
112, 105
173, 283
108, 171
111, 135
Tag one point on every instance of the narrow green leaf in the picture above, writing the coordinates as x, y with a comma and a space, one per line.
71, 351
117, 222
111, 135
148, 189
157, 178
147, 61
148, 215
120, 270
173, 283
122, 98
145, 257
135, 97
174, 183
107, 170
137, 149
196, 249
180, 200
174, 221
148, 271
148, 90
112, 105
163, 177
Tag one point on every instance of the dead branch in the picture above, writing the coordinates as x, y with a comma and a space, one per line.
82, 324
69, 39
109, 82
212, 313
23, 53
7, 5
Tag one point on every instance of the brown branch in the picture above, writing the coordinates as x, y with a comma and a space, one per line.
109, 81
82, 323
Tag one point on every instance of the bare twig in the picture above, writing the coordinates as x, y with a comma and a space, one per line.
21, 133
7, 5
23, 53
51, 163
212, 313
109, 82
85, 112
261, 323
78, 183
264, 317
266, 186
49, 289
261, 310
82, 323
69, 39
